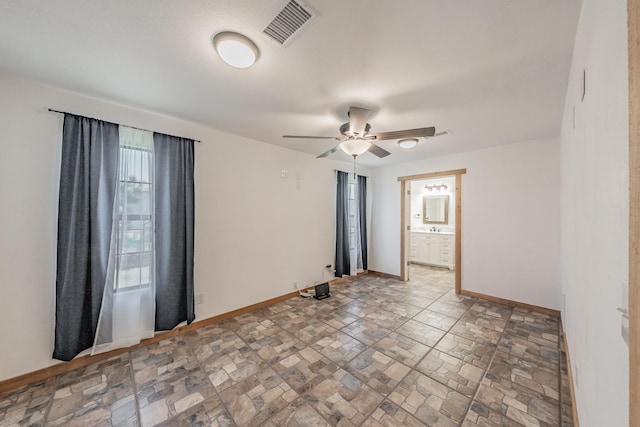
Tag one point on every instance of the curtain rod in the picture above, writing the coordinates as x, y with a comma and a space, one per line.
132, 127
338, 170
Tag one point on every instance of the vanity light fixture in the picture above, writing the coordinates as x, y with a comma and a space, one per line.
235, 49
436, 187
408, 142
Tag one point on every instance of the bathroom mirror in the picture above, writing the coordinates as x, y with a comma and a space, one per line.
435, 209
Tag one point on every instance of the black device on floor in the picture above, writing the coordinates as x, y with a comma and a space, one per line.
322, 291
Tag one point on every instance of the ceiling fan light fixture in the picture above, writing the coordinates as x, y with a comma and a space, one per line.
235, 49
355, 147
408, 142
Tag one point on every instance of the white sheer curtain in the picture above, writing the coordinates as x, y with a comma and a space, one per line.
355, 249
127, 314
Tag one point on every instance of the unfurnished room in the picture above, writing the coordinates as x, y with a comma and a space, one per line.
320, 213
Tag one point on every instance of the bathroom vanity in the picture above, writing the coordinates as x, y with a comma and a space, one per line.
433, 248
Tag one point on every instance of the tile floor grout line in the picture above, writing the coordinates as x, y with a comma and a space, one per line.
445, 334
412, 318
50, 404
276, 372
355, 338
390, 331
484, 374
204, 371
411, 369
399, 294
344, 367
134, 386
346, 363
300, 395
433, 348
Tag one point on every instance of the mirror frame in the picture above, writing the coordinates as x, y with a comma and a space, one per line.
446, 209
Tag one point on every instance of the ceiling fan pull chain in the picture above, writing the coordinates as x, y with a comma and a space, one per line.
354, 168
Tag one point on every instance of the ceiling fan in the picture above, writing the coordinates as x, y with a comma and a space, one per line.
356, 138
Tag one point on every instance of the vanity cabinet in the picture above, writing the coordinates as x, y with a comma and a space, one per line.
432, 249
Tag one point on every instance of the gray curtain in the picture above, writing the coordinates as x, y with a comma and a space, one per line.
362, 214
88, 183
174, 225
343, 259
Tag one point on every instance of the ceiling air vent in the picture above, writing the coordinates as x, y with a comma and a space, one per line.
440, 133
288, 22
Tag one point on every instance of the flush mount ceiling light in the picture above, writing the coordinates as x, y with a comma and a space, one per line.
408, 142
235, 49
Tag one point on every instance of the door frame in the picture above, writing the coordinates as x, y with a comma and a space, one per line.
404, 213
633, 27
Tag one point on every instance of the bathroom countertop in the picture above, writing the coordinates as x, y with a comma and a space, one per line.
433, 232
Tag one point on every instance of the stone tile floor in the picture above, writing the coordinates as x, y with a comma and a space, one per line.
379, 352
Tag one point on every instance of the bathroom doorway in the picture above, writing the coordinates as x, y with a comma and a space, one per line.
634, 205
431, 208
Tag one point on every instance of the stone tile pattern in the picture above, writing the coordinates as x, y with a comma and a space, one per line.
379, 352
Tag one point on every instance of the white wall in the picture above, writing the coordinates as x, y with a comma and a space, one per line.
510, 219
256, 233
595, 209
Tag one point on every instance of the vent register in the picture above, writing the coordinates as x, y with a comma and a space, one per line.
288, 22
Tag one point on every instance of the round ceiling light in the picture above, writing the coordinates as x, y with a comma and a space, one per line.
235, 49
355, 147
408, 142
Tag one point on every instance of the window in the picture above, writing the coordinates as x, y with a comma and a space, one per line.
351, 227
353, 218
134, 245
117, 216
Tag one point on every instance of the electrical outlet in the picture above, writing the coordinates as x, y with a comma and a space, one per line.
295, 285
199, 298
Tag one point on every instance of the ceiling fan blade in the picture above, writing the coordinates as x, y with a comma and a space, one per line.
358, 120
312, 137
326, 153
398, 134
378, 151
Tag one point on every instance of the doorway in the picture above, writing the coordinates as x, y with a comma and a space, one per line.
633, 13
408, 217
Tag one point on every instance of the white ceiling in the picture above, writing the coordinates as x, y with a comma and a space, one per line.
491, 72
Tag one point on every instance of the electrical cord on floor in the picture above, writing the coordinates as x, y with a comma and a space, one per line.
304, 294
310, 294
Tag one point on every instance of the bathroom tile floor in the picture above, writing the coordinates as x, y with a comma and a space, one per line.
379, 352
